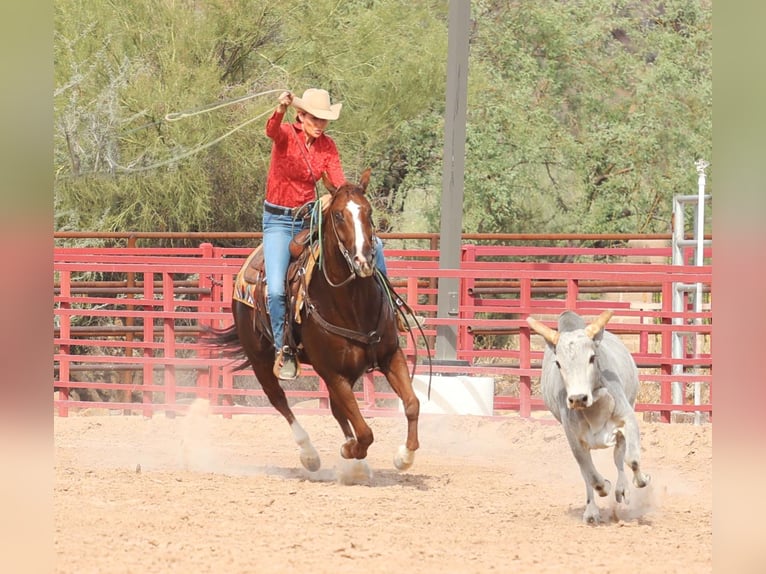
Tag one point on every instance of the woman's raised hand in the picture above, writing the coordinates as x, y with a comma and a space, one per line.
285, 100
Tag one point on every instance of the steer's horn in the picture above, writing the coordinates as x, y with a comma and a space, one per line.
598, 324
550, 335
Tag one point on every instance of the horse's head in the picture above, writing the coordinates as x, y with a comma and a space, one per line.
348, 225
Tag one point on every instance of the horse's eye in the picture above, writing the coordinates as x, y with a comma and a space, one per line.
338, 217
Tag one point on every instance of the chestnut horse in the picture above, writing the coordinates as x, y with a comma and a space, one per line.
347, 327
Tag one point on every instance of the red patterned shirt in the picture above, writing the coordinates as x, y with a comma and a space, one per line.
290, 182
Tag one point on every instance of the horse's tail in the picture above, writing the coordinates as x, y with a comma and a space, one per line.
227, 341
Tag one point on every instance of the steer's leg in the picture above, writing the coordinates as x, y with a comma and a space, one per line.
621, 490
633, 450
593, 480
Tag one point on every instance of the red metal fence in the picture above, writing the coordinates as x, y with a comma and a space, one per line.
127, 321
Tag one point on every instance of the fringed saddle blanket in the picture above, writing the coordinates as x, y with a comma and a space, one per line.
250, 283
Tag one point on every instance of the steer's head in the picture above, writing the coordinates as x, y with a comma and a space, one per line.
574, 352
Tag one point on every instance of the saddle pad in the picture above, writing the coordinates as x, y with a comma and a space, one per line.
248, 283
248, 277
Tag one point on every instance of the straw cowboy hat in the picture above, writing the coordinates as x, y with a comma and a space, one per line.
317, 103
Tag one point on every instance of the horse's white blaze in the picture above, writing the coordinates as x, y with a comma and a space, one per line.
356, 211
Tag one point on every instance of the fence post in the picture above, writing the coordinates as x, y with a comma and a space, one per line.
525, 350
65, 333
169, 339
465, 339
206, 378
148, 369
573, 292
666, 366
128, 376
368, 386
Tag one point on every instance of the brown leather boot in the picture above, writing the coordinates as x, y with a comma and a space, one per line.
286, 365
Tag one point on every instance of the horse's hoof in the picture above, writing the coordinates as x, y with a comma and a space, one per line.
404, 458
354, 471
310, 460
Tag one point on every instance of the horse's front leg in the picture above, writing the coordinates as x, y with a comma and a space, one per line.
350, 469
345, 426
346, 411
353, 468
398, 377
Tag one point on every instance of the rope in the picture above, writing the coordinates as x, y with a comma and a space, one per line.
172, 117
175, 116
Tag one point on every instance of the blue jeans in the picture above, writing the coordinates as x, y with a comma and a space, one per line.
278, 230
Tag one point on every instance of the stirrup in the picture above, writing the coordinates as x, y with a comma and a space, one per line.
286, 366
405, 322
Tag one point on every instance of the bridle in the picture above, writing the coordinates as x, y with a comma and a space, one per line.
353, 270
341, 247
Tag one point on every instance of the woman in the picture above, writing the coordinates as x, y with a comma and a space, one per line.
300, 152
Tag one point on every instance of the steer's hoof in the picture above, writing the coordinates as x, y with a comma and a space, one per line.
603, 489
641, 480
592, 514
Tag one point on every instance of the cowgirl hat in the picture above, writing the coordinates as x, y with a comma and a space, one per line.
317, 103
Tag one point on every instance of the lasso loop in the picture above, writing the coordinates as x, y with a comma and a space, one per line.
172, 117
175, 116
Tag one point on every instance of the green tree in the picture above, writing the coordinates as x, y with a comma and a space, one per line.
583, 116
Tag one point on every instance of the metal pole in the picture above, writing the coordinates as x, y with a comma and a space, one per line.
453, 173
699, 230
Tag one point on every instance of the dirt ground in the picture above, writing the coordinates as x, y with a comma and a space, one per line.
200, 493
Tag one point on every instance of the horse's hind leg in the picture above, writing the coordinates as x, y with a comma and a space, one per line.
270, 384
262, 360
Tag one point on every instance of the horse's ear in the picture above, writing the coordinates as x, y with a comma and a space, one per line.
327, 183
364, 182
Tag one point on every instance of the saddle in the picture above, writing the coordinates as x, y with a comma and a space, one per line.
250, 283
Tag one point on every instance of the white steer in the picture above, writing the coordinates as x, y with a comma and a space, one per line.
589, 382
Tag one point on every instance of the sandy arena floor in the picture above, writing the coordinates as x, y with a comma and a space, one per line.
200, 493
